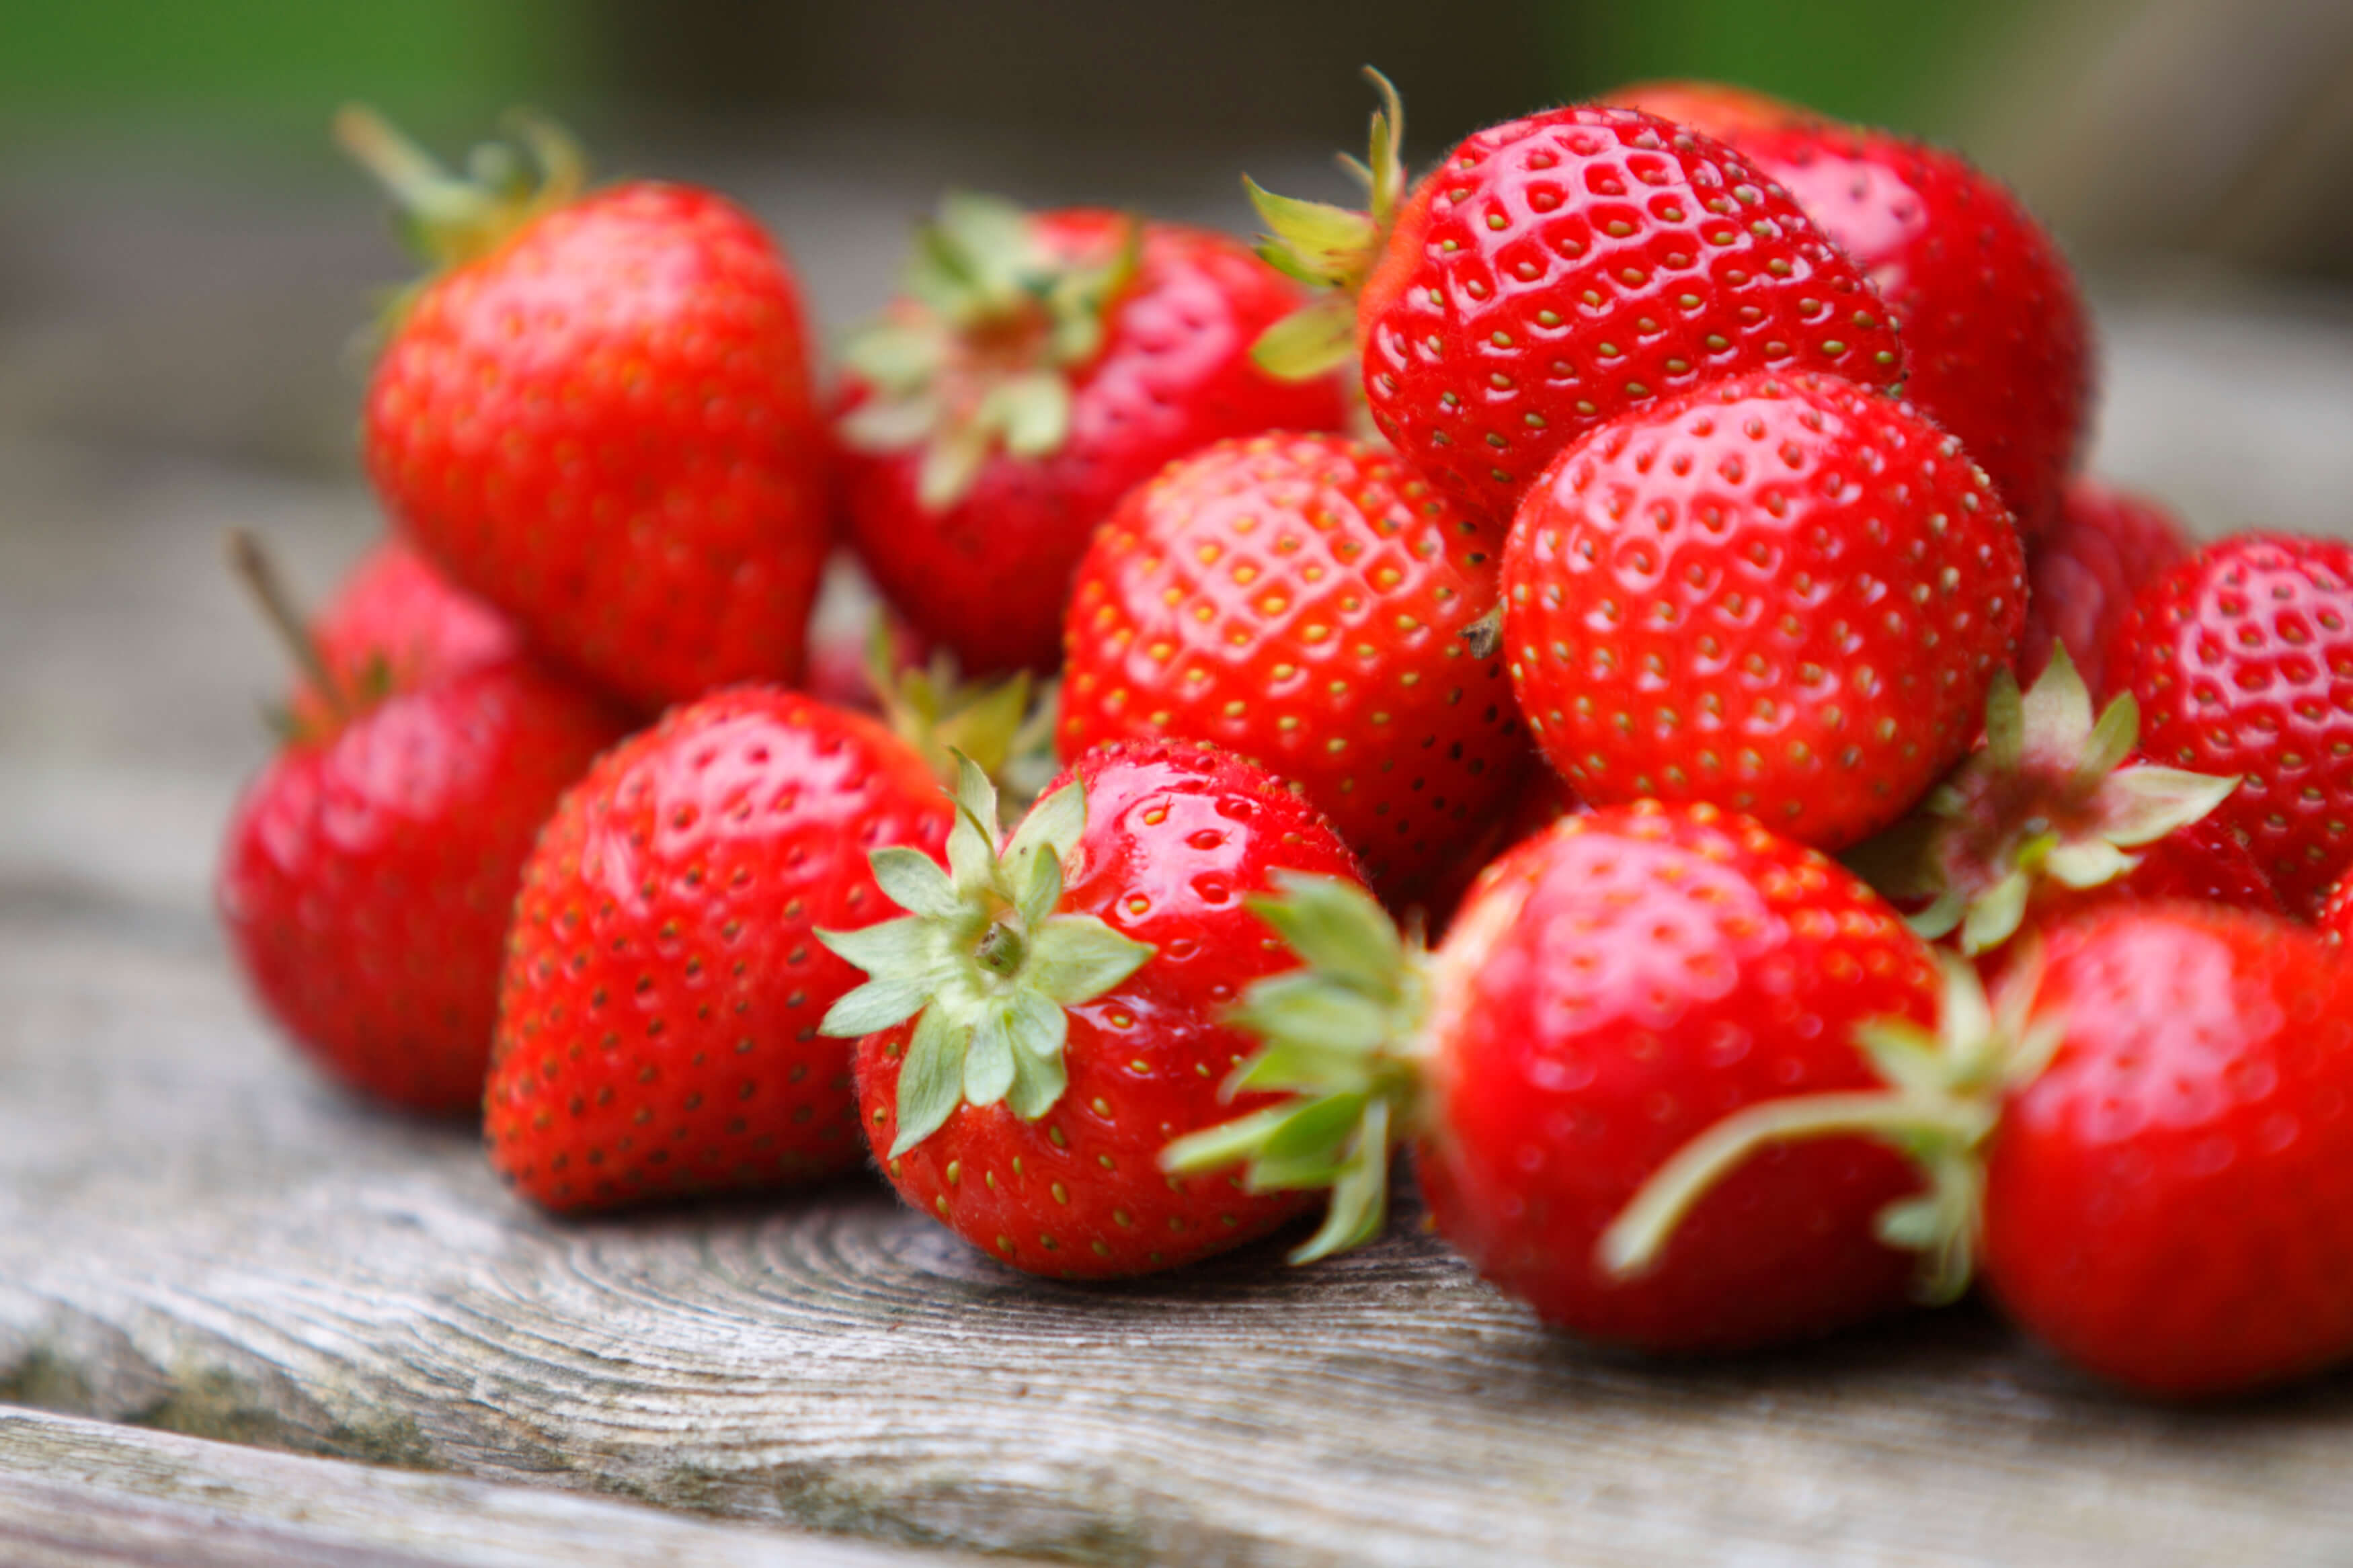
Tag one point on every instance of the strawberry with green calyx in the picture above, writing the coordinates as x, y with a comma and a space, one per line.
2141, 1143
1037, 366
2054, 801
1609, 990
368, 869
1049, 1012
1554, 272
597, 414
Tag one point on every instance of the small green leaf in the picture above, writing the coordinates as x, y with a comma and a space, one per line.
2005, 746
2056, 716
1905, 1055
1077, 958
898, 356
1313, 339
1360, 1197
903, 948
930, 1079
1344, 1022
1994, 915
1037, 1084
1940, 916
1914, 1225
1054, 826
1301, 1066
1315, 1133
2142, 804
889, 423
875, 1007
951, 463
1334, 243
1214, 1148
2089, 863
1032, 413
913, 881
972, 841
991, 238
1336, 929
2112, 741
1042, 890
988, 1058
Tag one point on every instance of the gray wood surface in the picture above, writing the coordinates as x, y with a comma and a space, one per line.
197, 1237
76, 1492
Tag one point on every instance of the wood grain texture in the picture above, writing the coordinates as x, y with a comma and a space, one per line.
74, 1493
197, 1235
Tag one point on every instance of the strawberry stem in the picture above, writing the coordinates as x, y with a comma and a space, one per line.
253, 566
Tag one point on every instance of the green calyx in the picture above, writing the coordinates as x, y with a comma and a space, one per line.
1343, 1040
982, 961
1004, 727
1943, 1099
2048, 800
449, 219
1331, 250
978, 356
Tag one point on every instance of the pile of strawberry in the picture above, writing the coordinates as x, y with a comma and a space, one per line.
1722, 517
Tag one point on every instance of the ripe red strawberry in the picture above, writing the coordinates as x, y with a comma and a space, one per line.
1789, 597
2084, 570
369, 870
1995, 331
395, 624
1307, 602
657, 1016
1556, 271
1611, 989
2170, 1204
598, 418
2239, 657
1037, 368
1043, 1022
2057, 811
2148, 1141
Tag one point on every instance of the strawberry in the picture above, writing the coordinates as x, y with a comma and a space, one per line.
598, 418
1787, 597
1048, 1016
1555, 272
1995, 331
1611, 989
2085, 570
1037, 367
2146, 1143
2057, 811
1305, 601
396, 623
658, 1015
2239, 657
369, 868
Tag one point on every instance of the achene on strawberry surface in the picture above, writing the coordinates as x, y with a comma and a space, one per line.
1611, 989
1307, 602
1052, 1012
658, 1011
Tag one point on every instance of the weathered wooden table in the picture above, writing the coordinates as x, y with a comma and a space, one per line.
247, 1321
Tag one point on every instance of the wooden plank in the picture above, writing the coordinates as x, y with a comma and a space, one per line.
74, 1493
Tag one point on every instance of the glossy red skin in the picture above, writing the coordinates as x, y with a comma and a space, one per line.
1480, 393
2241, 659
2170, 1203
988, 576
369, 873
1079, 1193
1995, 331
659, 1010
1300, 601
2084, 572
605, 428
1787, 597
396, 620
1611, 989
